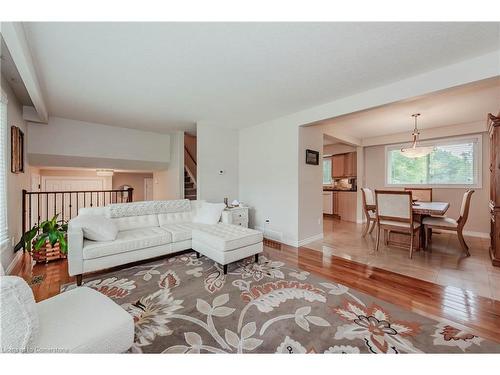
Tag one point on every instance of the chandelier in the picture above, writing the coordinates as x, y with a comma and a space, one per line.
413, 150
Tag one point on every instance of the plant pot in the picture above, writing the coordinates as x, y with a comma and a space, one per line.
47, 253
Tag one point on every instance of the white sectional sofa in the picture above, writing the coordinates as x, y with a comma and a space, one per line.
155, 228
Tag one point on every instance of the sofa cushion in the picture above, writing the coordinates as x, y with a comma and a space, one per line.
175, 217
96, 227
148, 208
225, 237
181, 231
19, 318
83, 320
209, 213
128, 240
136, 222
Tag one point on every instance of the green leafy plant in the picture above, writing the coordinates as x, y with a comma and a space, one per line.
50, 230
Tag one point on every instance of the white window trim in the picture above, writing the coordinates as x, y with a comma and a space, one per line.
478, 161
5, 244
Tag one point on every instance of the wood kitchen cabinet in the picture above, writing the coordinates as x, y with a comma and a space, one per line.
346, 203
344, 165
338, 166
335, 203
350, 164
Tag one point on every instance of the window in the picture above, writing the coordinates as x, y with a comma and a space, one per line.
454, 162
327, 171
4, 233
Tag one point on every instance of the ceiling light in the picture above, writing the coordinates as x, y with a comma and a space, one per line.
413, 150
104, 172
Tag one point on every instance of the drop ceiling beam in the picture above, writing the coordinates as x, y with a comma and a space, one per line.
15, 39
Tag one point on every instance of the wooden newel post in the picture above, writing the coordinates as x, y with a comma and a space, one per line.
129, 195
23, 204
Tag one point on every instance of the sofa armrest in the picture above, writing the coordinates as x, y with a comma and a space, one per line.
75, 250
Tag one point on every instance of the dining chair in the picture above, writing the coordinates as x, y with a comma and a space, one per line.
394, 213
421, 194
447, 223
369, 210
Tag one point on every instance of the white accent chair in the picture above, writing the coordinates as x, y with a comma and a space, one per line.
394, 213
446, 223
81, 320
370, 210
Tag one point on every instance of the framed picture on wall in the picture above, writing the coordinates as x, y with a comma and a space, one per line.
16, 150
312, 157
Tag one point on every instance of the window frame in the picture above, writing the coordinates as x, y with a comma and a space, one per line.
5, 242
477, 166
322, 166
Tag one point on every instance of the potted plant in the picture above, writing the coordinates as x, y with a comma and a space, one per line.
47, 240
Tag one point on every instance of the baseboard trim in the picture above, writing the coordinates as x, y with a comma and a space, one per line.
476, 234
14, 262
469, 233
307, 240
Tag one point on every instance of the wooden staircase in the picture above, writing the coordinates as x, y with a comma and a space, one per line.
189, 187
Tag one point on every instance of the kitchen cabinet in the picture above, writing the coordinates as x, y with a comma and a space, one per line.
347, 203
328, 202
335, 201
350, 164
338, 166
344, 165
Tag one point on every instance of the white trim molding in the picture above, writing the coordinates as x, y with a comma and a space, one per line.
14, 262
308, 240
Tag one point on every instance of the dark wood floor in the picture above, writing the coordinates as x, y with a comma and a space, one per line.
479, 314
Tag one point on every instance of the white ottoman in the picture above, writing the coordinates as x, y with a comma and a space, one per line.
83, 320
226, 243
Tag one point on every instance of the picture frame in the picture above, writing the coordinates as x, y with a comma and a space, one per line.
16, 150
312, 157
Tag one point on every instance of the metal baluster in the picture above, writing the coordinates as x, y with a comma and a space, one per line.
29, 211
39, 208
62, 206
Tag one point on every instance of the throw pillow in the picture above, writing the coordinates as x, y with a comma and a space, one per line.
18, 315
96, 227
209, 213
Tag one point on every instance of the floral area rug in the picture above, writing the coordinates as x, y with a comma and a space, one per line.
183, 304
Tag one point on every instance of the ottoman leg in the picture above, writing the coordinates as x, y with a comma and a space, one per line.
256, 258
79, 280
225, 269
197, 254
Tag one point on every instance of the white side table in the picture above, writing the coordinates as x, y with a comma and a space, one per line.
235, 216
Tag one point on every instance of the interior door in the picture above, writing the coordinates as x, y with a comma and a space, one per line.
67, 204
148, 189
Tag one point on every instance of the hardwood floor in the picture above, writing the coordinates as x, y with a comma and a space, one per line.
444, 263
479, 314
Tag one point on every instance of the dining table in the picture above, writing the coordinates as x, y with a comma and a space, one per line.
420, 210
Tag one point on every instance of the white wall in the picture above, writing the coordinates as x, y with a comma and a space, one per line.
311, 188
63, 140
169, 183
269, 179
217, 149
15, 182
268, 160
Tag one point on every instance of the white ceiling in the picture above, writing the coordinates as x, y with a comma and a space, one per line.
166, 76
459, 105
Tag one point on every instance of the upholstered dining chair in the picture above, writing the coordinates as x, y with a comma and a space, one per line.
394, 213
369, 210
446, 223
421, 194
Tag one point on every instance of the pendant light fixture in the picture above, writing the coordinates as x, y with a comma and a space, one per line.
413, 150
